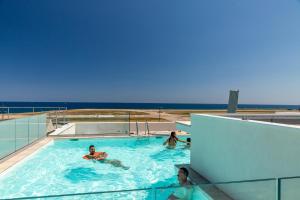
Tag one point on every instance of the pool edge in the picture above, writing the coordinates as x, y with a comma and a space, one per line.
22, 155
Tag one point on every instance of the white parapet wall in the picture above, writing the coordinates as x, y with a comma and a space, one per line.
153, 127
91, 128
228, 149
95, 128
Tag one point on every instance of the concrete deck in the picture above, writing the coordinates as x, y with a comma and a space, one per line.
186, 123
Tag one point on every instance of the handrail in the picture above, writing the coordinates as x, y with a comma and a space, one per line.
31, 107
153, 188
147, 126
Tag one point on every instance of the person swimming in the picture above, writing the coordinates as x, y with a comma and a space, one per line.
188, 144
101, 156
185, 192
172, 140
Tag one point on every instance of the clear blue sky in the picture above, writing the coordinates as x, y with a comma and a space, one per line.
150, 51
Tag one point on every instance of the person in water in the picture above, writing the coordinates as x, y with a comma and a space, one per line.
185, 192
101, 156
172, 140
188, 143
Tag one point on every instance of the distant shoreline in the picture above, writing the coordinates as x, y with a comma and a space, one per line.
150, 106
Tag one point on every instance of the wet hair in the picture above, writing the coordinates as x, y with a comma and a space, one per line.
188, 139
173, 133
91, 146
185, 171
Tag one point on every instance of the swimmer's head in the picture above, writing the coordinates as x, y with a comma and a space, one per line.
183, 174
173, 134
92, 149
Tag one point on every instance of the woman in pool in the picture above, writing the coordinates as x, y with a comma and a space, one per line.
172, 140
101, 156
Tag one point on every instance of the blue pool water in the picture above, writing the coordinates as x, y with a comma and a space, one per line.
58, 168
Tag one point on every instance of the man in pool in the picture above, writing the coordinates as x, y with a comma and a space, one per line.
101, 156
186, 190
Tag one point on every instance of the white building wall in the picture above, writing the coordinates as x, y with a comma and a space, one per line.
226, 149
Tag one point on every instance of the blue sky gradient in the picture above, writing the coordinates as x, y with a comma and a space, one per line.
150, 51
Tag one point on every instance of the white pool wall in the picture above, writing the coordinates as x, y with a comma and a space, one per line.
94, 128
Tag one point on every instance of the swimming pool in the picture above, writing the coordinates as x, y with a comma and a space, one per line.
58, 168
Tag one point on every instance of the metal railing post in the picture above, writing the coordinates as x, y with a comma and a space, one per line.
28, 131
8, 113
15, 134
129, 123
137, 128
154, 193
159, 115
65, 121
278, 189
56, 119
148, 129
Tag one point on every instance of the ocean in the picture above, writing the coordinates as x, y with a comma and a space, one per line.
179, 106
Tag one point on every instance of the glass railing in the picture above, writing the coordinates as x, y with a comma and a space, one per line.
19, 112
260, 189
20, 126
17, 133
251, 189
289, 188
286, 188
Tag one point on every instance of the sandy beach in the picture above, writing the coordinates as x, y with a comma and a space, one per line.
163, 115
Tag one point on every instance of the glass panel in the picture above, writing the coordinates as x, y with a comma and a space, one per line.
7, 137
290, 189
3, 113
254, 190
17, 133
248, 190
22, 134
42, 125
146, 194
189, 192
33, 128
19, 112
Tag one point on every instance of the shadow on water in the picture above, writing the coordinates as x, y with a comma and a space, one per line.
165, 193
166, 154
142, 141
81, 174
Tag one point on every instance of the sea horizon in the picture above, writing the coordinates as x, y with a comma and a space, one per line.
126, 105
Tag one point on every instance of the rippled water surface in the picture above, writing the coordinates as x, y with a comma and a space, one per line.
59, 168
